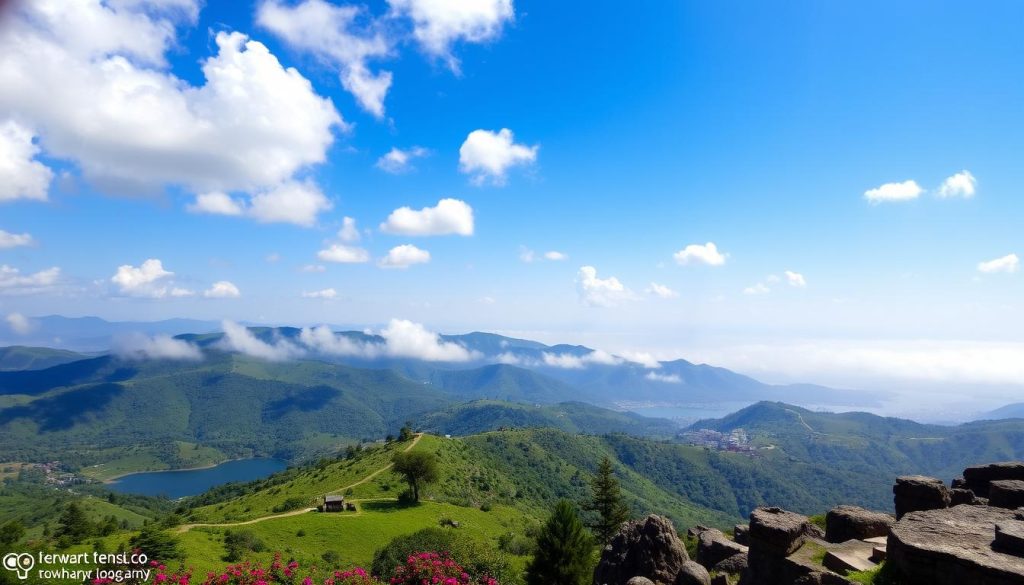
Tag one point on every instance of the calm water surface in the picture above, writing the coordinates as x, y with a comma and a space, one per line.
178, 484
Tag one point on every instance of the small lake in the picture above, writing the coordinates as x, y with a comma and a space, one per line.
687, 414
191, 482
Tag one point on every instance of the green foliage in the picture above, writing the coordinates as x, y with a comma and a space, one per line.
238, 543
293, 503
818, 520
74, 525
476, 557
607, 501
419, 468
564, 552
11, 532
157, 543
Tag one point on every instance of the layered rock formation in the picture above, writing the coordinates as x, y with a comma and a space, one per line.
844, 523
648, 548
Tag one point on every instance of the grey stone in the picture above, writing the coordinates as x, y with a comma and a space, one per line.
977, 478
1010, 538
914, 493
844, 523
734, 565
777, 531
648, 548
713, 546
1006, 493
639, 581
693, 573
741, 534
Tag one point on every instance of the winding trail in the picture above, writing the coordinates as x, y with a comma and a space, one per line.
186, 527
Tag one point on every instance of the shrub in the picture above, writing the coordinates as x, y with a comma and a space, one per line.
479, 558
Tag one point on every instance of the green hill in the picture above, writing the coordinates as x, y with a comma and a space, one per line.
20, 357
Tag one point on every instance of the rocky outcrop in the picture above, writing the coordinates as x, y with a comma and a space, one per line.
713, 547
775, 535
693, 573
1010, 538
959, 495
844, 523
741, 534
917, 493
774, 530
1006, 493
978, 478
954, 546
647, 548
734, 565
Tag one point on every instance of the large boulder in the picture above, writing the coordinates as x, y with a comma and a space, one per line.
776, 531
844, 523
916, 493
713, 547
741, 534
953, 546
978, 477
648, 547
1010, 538
693, 573
639, 581
734, 565
1006, 493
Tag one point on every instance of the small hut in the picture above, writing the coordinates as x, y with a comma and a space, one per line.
334, 503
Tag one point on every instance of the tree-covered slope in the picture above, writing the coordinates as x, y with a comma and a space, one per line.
20, 357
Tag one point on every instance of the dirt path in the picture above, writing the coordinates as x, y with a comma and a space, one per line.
186, 527
800, 417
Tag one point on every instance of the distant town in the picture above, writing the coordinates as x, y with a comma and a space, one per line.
736, 440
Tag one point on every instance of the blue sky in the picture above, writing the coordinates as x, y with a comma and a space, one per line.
656, 126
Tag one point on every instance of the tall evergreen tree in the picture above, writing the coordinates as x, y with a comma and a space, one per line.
74, 525
565, 550
607, 501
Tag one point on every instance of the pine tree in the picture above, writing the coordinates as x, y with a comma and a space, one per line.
607, 501
564, 553
74, 526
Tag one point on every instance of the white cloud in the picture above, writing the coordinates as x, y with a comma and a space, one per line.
9, 240
19, 323
348, 231
343, 254
757, 289
12, 282
962, 184
573, 362
404, 256
157, 347
91, 78
643, 358
555, 256
795, 279
894, 192
290, 202
327, 293
1009, 264
21, 176
398, 161
489, 155
667, 378
313, 268
700, 254
142, 280
344, 36
402, 339
600, 292
216, 203
239, 338
222, 289
438, 24
661, 291
450, 216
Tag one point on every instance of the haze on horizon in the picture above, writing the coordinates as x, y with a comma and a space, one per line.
832, 199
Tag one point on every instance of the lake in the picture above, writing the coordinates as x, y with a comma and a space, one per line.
190, 482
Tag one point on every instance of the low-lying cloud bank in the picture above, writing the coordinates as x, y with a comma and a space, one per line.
402, 339
137, 346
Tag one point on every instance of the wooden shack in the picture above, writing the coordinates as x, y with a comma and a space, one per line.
334, 503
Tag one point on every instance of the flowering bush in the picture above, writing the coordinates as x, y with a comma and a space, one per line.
434, 569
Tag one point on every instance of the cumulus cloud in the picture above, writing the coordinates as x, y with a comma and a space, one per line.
488, 156
101, 96
904, 191
295, 202
700, 254
344, 36
401, 339
19, 323
555, 256
448, 217
795, 279
239, 338
343, 254
404, 256
600, 292
574, 362
661, 291
327, 293
348, 231
222, 289
438, 24
216, 203
667, 378
21, 176
158, 347
9, 240
398, 161
962, 184
149, 279
1009, 264
758, 289
13, 282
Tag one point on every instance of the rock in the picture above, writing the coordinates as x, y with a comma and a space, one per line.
978, 478
1006, 493
916, 492
741, 534
639, 581
1010, 538
952, 546
648, 548
959, 484
719, 580
693, 573
774, 530
959, 496
694, 531
734, 565
713, 547
844, 523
